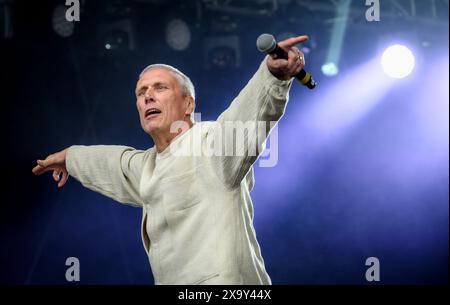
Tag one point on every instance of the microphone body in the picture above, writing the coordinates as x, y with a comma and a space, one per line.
266, 43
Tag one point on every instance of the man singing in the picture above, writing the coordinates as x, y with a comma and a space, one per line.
197, 223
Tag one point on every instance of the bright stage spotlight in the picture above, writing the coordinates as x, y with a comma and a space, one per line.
330, 69
397, 61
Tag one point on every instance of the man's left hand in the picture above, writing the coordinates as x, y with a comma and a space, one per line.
285, 69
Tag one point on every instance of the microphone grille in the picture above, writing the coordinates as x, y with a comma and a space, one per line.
266, 43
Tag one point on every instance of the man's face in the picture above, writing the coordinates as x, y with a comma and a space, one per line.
160, 101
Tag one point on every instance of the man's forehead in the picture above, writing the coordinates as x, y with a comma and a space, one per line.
156, 75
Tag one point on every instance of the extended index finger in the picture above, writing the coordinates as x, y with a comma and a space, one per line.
290, 42
39, 169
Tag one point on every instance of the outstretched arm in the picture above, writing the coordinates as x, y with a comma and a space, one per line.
262, 100
114, 171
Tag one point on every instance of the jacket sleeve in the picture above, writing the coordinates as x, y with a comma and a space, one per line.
261, 104
114, 171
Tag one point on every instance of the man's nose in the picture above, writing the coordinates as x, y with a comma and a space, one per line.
149, 97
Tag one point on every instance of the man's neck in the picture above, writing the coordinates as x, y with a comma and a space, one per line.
163, 139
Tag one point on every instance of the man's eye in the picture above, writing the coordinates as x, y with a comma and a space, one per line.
161, 87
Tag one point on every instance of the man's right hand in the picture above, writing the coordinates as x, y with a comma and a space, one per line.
55, 162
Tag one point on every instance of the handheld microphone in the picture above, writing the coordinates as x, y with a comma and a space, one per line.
266, 43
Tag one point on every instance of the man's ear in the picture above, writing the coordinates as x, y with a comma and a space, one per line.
190, 105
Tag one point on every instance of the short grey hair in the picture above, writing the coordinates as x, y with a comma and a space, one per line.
184, 81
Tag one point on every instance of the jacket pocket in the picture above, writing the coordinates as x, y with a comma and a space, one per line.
182, 191
206, 280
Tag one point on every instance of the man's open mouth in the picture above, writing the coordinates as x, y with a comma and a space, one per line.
149, 113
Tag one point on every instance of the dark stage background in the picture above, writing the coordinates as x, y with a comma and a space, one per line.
362, 160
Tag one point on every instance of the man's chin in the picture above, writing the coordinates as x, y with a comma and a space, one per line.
146, 125
152, 127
